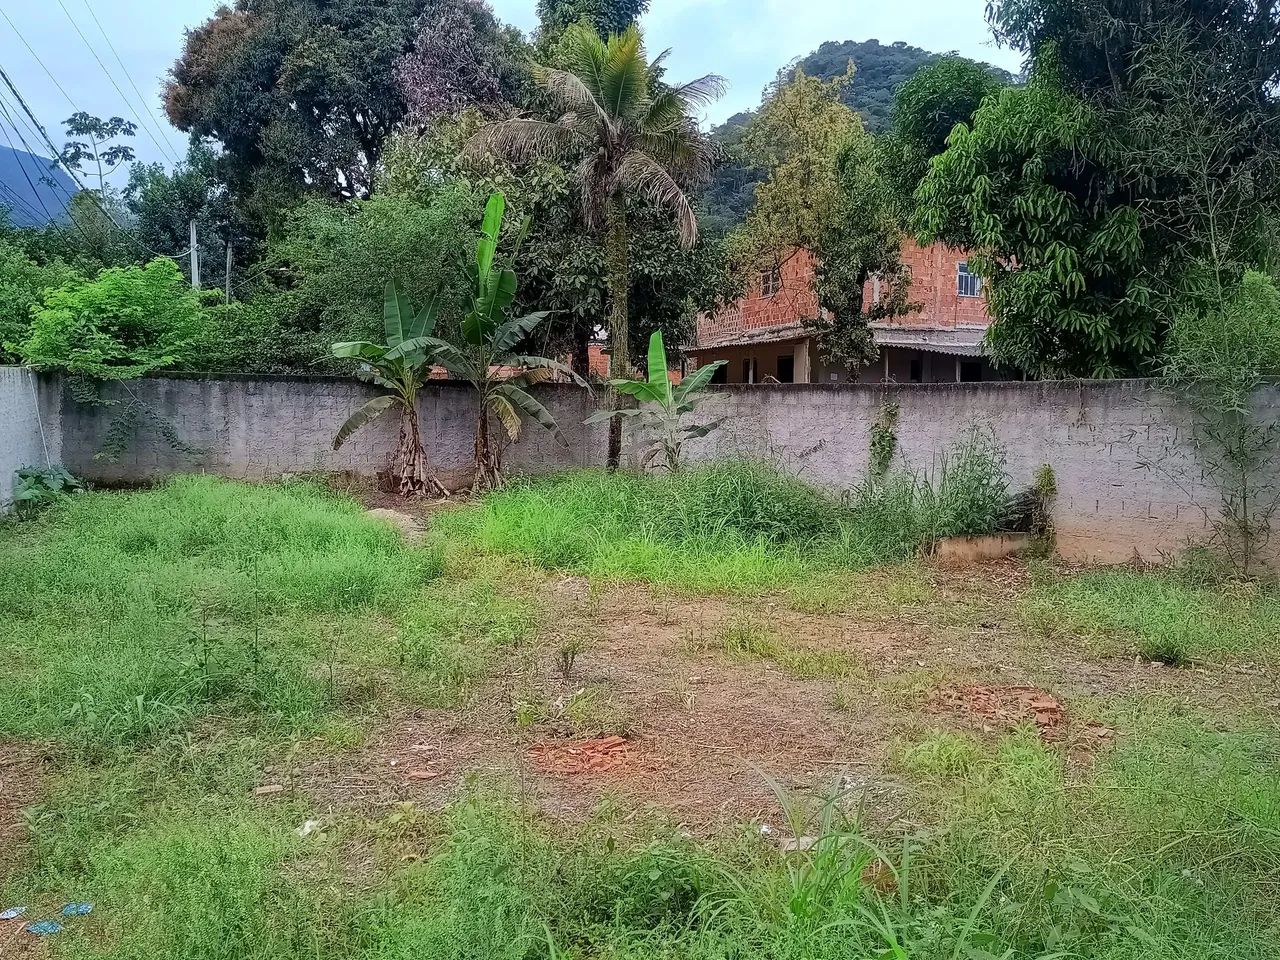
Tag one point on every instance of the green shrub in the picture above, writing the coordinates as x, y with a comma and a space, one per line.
126, 322
23, 283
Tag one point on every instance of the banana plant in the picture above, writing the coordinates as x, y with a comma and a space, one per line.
664, 406
487, 353
400, 366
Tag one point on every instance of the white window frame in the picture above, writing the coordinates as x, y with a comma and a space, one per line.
968, 283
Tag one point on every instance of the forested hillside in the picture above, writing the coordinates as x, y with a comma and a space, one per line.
881, 69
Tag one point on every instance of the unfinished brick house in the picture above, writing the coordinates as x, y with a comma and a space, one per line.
763, 336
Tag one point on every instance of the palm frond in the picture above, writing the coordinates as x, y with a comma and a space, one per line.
574, 94
521, 139
645, 174
672, 107
624, 86
583, 53
688, 155
366, 414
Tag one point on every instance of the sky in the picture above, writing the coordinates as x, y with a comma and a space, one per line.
745, 41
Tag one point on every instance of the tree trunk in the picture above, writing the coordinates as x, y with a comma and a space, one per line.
488, 465
619, 284
582, 350
410, 473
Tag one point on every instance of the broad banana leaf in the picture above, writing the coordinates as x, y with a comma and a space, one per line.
359, 350
366, 414
600, 416
490, 228
526, 404
637, 388
545, 363
513, 331
397, 314
424, 324
659, 379
698, 432
506, 414
698, 379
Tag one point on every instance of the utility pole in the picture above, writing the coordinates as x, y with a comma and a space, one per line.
228, 270
195, 259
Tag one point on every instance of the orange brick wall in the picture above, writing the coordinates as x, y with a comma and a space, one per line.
933, 287
795, 301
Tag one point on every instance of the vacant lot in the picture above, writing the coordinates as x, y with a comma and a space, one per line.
613, 718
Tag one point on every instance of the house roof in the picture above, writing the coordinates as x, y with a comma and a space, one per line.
957, 341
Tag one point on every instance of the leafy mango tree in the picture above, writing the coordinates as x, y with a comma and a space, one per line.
400, 366
488, 353
668, 406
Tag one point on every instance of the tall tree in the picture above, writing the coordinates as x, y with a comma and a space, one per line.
99, 149
602, 16
926, 108
301, 94
461, 57
630, 135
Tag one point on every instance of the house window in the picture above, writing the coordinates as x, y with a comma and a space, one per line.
787, 369
721, 375
968, 284
770, 281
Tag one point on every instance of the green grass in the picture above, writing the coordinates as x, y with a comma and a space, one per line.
128, 616
1159, 615
280, 624
738, 527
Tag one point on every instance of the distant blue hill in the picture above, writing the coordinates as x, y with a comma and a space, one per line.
24, 206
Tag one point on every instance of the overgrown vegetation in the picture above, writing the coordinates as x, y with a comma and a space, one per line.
740, 526
1167, 616
128, 617
175, 647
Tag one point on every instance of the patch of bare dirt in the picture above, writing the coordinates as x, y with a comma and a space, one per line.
21, 780
700, 730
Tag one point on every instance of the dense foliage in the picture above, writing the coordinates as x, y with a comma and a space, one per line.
127, 322
301, 94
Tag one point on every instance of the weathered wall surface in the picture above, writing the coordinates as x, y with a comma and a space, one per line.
1129, 478
26, 405
263, 427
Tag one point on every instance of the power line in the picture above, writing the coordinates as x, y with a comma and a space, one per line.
91, 194
142, 100
31, 50
145, 129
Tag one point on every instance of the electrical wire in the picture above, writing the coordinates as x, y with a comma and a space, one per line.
142, 100
94, 53
31, 50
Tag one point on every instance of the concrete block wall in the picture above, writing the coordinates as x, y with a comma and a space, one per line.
255, 428
1130, 481
30, 434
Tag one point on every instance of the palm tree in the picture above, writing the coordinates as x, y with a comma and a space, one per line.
635, 136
